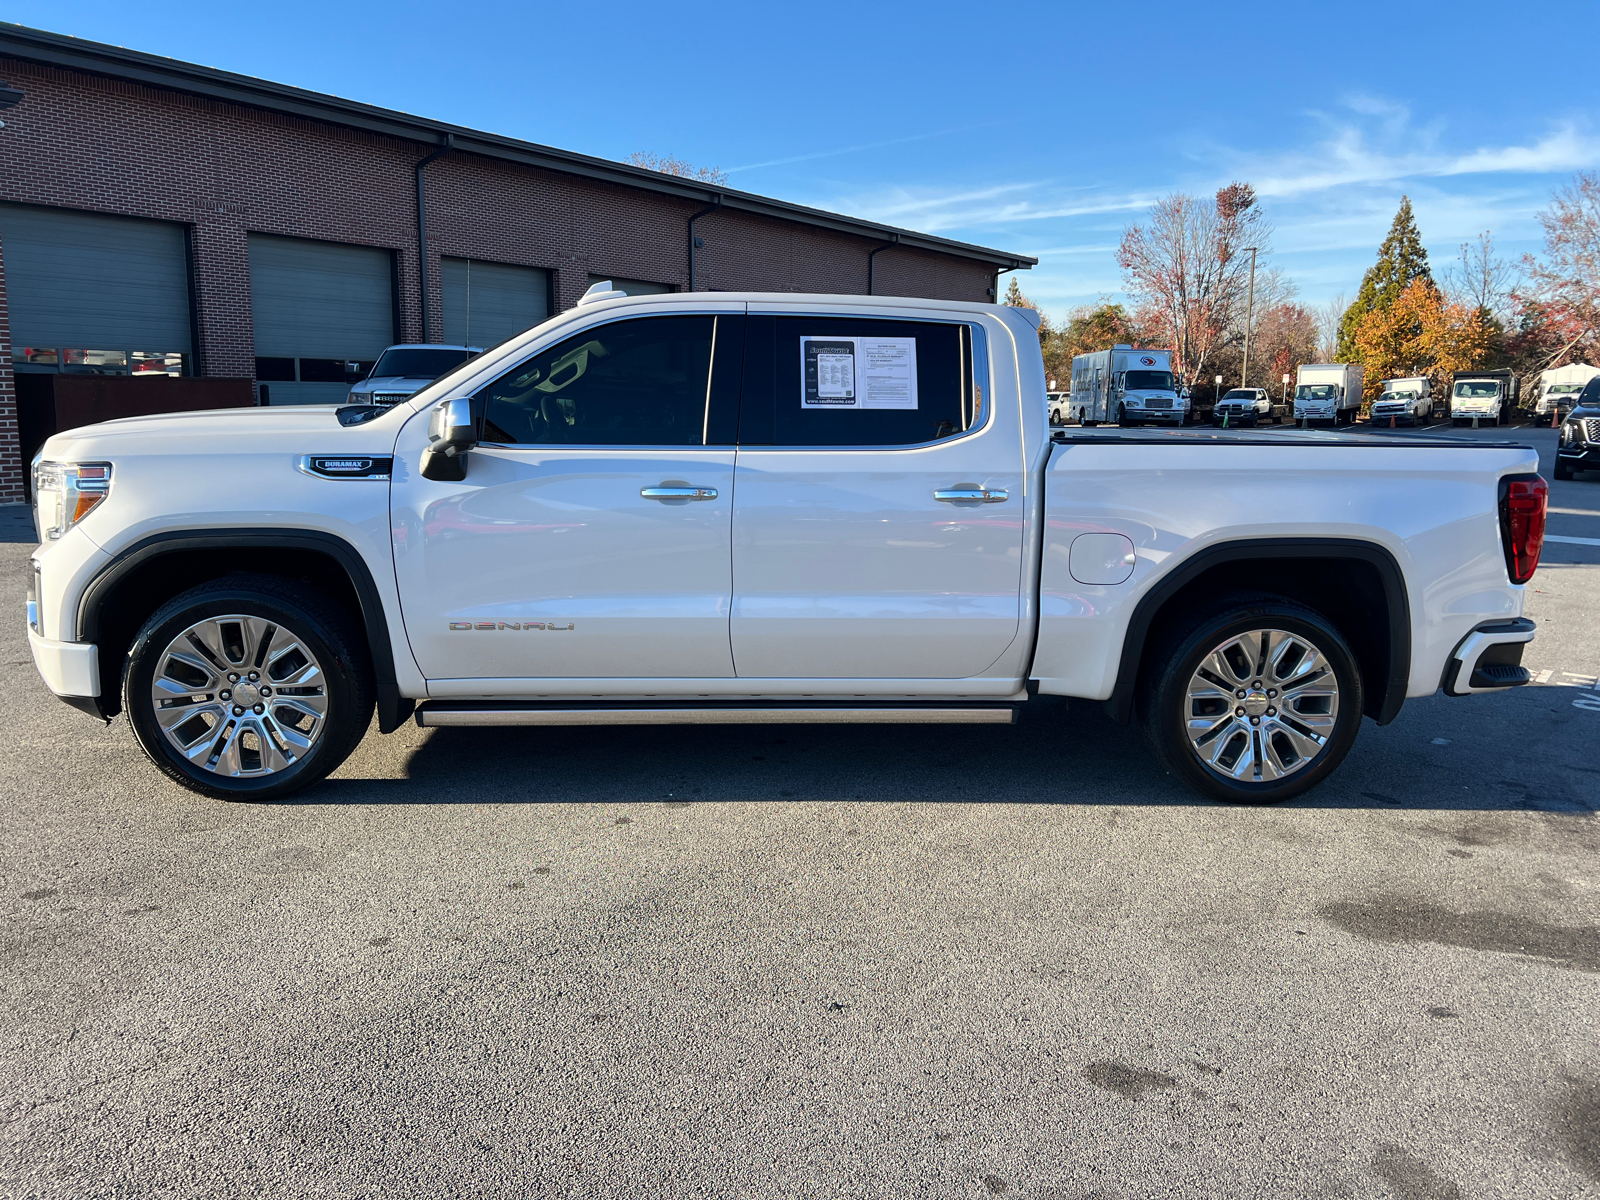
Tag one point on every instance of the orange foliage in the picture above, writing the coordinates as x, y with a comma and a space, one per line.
1420, 334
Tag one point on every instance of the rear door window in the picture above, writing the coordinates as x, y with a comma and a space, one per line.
864, 382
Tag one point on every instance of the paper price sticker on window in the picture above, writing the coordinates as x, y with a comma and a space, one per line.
858, 372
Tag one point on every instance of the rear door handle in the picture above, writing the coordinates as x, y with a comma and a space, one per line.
972, 495
678, 493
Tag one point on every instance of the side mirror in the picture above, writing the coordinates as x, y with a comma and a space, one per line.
452, 431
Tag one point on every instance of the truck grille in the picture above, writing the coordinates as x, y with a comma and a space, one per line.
1158, 403
390, 397
1591, 429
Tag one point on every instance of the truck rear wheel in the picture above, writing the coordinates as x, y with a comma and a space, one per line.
248, 688
1254, 701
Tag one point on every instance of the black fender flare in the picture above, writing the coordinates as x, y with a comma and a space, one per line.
1120, 705
393, 709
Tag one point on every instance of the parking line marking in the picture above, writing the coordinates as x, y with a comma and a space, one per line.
1572, 541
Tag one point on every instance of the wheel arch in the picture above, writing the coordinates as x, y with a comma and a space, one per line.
1314, 570
119, 599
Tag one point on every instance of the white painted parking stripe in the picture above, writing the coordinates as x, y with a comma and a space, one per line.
1572, 541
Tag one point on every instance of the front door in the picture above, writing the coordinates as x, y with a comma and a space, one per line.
590, 539
878, 503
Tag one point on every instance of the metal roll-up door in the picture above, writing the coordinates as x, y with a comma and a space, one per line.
485, 303
323, 313
633, 287
94, 293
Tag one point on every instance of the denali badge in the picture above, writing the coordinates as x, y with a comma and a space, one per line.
551, 626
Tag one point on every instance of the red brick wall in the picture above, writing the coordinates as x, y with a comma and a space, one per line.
11, 464
86, 142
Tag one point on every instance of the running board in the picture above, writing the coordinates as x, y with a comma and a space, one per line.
438, 713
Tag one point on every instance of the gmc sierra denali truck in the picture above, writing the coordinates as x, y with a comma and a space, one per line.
716, 508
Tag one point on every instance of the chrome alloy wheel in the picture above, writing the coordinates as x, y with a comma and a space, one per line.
1261, 706
239, 696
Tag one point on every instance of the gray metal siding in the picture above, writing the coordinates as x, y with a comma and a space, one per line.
320, 299
92, 282
485, 302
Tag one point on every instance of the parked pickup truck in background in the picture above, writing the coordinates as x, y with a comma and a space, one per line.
716, 508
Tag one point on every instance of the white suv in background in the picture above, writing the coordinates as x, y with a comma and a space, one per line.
403, 371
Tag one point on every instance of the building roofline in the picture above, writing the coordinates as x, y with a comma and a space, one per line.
59, 50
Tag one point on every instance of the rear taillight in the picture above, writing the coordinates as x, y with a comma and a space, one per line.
1523, 499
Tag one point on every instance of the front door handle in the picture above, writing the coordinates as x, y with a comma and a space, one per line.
972, 495
666, 492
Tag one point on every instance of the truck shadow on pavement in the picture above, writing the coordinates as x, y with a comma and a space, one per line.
1057, 753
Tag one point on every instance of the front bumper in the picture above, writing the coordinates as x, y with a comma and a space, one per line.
1579, 458
1166, 416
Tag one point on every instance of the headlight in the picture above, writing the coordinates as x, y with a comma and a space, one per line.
65, 493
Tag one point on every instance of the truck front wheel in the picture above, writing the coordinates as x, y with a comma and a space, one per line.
1254, 701
248, 688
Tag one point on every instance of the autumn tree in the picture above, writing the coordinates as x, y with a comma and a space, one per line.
669, 164
1401, 261
1420, 333
1562, 301
1187, 267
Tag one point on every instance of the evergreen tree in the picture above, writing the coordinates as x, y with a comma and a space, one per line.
1401, 261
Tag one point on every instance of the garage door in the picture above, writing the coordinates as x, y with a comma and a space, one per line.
634, 287
486, 302
90, 293
323, 313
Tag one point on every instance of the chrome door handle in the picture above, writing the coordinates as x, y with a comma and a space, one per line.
972, 495
678, 493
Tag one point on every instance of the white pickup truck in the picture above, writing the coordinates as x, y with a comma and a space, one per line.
717, 508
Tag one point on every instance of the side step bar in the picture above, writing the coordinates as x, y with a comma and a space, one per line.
771, 712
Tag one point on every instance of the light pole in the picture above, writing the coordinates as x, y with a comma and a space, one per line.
1249, 313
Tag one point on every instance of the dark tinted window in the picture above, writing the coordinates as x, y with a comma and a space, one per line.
420, 364
1590, 396
275, 370
839, 381
1148, 381
629, 383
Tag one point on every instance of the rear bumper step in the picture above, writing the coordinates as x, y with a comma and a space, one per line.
1489, 658
438, 713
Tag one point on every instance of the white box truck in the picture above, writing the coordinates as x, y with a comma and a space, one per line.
1328, 392
1407, 401
1484, 396
1559, 387
1126, 386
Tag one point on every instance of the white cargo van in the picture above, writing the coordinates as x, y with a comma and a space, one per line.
1559, 387
1328, 392
1406, 401
1484, 396
1127, 386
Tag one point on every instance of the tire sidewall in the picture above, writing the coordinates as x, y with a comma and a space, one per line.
1170, 699
144, 657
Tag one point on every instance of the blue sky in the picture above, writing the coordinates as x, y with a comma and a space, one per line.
1040, 129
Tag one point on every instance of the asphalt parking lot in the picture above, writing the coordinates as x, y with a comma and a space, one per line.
816, 961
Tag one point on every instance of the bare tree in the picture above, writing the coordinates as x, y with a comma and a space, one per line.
1481, 279
1187, 269
1328, 317
667, 164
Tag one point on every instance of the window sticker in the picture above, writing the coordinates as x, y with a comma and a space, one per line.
858, 372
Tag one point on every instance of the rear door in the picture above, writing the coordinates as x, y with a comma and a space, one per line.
878, 502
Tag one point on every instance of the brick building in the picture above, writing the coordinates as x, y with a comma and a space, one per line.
174, 221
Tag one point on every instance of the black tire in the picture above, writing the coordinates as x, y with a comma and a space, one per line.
1561, 471
1163, 702
330, 635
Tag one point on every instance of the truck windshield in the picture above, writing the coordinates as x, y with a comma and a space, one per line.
1148, 381
1397, 396
1562, 389
1317, 391
1240, 394
1478, 389
419, 364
